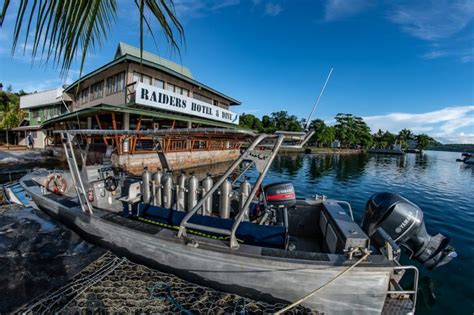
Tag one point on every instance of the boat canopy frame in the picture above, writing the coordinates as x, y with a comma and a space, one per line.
260, 158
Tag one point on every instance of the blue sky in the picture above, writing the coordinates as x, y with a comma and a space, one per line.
399, 64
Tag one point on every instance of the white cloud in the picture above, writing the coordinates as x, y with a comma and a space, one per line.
459, 138
434, 19
450, 124
31, 86
197, 8
443, 24
273, 9
339, 9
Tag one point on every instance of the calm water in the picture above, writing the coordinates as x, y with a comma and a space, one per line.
442, 187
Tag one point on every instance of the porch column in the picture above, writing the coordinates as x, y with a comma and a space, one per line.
126, 121
89, 126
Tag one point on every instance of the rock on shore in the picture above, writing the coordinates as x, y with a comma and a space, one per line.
36, 254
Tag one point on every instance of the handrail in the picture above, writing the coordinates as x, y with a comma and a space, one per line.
414, 291
184, 221
348, 206
162, 132
234, 244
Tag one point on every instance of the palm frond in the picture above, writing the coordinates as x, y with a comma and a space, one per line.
63, 29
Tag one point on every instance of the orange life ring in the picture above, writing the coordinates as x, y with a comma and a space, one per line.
56, 183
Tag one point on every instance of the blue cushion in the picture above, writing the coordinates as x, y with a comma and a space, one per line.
249, 233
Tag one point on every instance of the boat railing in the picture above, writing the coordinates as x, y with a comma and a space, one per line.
397, 290
262, 162
261, 158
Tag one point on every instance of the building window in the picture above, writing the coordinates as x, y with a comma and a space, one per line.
177, 89
202, 98
215, 102
140, 77
169, 87
160, 84
96, 90
116, 83
85, 95
34, 113
146, 79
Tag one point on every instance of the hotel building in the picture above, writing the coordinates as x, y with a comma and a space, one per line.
148, 93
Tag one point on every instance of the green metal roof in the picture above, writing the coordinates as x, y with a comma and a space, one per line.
155, 62
137, 111
125, 49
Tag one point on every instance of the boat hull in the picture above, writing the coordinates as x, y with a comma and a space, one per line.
361, 291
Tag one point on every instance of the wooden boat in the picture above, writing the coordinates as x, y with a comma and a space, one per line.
253, 240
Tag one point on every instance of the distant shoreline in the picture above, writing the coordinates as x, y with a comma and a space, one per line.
316, 150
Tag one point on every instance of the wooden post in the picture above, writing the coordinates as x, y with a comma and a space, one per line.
117, 142
100, 126
139, 124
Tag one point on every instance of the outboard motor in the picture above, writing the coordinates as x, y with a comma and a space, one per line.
402, 221
280, 194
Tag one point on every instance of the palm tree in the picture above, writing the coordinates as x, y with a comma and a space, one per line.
403, 136
62, 29
423, 141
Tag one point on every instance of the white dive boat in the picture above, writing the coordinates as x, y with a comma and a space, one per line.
234, 236
467, 158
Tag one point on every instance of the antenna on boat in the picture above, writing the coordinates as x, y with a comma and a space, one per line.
317, 102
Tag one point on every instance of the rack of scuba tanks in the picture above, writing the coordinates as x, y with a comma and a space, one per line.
225, 198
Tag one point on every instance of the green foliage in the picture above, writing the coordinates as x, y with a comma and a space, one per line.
403, 136
9, 101
10, 113
423, 141
285, 122
352, 131
62, 30
268, 124
278, 121
323, 135
383, 140
250, 121
10, 119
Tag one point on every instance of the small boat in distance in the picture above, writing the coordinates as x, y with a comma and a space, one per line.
253, 239
467, 158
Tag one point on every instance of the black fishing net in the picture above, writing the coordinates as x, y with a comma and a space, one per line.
116, 285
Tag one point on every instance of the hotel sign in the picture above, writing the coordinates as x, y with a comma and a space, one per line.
156, 97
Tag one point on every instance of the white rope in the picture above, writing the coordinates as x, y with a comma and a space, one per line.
289, 307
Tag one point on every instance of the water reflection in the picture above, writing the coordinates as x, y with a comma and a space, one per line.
422, 161
288, 164
320, 165
351, 166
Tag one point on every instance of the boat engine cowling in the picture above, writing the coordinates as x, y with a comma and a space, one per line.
280, 194
402, 221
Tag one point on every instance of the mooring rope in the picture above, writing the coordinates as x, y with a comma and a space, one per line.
169, 297
289, 307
